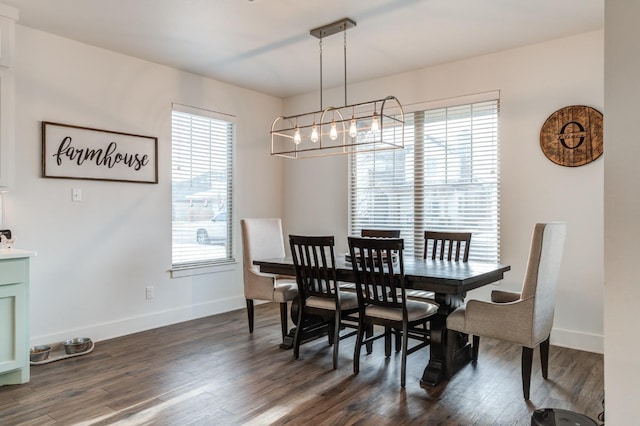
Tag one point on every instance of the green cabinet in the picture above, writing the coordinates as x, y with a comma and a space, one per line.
14, 317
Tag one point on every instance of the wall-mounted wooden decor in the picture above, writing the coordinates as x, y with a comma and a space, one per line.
572, 136
74, 152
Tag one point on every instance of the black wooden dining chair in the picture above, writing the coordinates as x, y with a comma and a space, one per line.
371, 233
378, 268
319, 294
380, 233
447, 245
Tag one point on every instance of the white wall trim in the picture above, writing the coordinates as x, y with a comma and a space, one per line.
453, 101
125, 326
578, 340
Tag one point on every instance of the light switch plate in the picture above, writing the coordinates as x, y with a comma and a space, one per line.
76, 194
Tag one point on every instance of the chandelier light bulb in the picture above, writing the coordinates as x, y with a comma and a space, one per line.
353, 129
314, 133
296, 136
375, 124
333, 133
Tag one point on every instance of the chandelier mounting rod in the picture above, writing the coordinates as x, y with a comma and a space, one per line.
333, 28
341, 25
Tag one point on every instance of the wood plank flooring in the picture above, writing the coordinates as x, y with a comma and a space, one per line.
211, 371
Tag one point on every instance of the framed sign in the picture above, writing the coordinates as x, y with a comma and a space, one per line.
572, 136
73, 152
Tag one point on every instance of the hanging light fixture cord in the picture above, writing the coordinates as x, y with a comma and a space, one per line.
345, 67
321, 105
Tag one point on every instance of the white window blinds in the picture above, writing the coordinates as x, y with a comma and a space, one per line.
202, 172
445, 179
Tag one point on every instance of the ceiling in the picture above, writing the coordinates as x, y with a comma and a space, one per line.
265, 45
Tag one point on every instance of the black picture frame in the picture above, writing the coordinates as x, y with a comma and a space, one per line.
75, 152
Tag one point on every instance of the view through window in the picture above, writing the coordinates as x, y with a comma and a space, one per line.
202, 171
445, 179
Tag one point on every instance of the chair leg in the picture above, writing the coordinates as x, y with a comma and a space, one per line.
284, 320
544, 357
359, 338
475, 348
527, 361
250, 314
336, 339
405, 344
398, 340
387, 341
369, 333
298, 334
330, 332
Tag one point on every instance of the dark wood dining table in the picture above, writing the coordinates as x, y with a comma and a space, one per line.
450, 281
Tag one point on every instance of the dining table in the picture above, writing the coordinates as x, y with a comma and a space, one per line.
448, 280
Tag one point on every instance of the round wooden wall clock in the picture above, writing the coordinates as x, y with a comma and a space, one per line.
572, 136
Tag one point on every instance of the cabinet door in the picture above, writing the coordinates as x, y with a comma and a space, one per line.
13, 317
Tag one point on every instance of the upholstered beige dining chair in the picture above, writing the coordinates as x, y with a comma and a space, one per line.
523, 318
262, 239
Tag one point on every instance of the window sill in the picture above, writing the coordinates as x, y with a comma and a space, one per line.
189, 271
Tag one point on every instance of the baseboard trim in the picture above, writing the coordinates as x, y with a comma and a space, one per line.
102, 331
125, 326
577, 340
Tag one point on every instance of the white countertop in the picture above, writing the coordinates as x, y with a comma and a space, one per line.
12, 253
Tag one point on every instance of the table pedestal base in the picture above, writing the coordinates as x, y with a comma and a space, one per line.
287, 342
434, 373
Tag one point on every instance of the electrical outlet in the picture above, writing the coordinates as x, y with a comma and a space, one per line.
149, 292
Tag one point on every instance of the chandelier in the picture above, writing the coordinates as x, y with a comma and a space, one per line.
362, 127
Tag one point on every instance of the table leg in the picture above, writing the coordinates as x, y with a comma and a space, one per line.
287, 342
434, 372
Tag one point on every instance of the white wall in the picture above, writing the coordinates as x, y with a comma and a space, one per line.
534, 82
95, 257
622, 212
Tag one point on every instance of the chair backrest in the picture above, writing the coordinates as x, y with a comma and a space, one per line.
314, 261
447, 245
380, 233
541, 277
379, 271
261, 239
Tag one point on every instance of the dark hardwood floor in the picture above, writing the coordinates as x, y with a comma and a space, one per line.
211, 371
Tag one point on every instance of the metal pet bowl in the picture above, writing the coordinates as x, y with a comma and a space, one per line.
39, 353
77, 345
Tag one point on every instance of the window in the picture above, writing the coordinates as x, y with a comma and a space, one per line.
202, 177
445, 179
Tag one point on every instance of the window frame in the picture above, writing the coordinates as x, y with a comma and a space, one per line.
210, 264
415, 231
